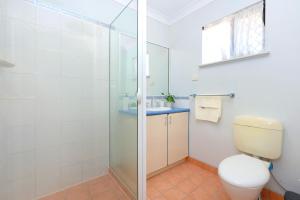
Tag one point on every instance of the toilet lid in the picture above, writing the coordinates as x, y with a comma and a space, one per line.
244, 171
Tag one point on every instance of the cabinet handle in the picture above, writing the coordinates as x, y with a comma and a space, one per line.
170, 119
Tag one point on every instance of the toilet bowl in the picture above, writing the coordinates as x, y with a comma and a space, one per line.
243, 176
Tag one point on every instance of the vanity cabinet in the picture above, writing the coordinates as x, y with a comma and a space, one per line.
157, 141
167, 140
177, 137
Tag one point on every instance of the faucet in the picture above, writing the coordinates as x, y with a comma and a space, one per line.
152, 101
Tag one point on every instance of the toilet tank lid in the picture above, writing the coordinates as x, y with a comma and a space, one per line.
258, 122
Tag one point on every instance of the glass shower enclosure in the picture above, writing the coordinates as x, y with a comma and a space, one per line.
126, 110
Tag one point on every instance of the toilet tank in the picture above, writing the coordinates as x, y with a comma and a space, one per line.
258, 136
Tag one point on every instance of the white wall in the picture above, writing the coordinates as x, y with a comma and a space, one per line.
53, 103
157, 32
266, 87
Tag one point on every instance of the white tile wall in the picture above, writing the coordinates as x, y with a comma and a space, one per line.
22, 189
53, 103
21, 139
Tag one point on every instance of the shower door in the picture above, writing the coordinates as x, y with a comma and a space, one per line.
126, 110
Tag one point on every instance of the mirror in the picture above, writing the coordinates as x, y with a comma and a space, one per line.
127, 65
158, 70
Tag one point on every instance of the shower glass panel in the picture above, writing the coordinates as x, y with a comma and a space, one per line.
123, 101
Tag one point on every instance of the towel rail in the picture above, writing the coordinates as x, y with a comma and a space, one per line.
231, 95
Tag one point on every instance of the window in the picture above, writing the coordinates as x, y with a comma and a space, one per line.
238, 35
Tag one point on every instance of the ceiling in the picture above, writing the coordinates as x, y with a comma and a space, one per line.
165, 11
171, 11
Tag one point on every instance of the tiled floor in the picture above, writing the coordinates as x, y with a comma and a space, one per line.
104, 188
186, 182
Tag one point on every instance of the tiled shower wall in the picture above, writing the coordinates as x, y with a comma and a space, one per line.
53, 102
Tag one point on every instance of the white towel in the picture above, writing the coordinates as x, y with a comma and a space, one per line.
208, 108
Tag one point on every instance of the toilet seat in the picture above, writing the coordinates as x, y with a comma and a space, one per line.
244, 171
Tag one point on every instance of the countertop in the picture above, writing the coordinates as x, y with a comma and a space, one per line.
173, 110
150, 113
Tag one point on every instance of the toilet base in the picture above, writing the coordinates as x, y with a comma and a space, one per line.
238, 193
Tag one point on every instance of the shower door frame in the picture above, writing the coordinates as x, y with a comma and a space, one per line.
142, 94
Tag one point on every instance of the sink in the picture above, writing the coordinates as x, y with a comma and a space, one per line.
158, 109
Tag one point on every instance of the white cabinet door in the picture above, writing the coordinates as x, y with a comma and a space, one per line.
157, 142
177, 137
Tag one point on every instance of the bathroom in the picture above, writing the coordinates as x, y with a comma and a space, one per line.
156, 99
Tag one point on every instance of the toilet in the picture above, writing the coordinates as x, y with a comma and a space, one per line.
259, 140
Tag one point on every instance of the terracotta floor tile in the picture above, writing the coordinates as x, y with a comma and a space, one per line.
201, 194
187, 186
190, 182
160, 184
174, 194
221, 194
184, 182
183, 172
164, 185
80, 192
197, 170
158, 198
166, 175
189, 197
110, 194
155, 179
176, 179
100, 186
198, 180
103, 188
152, 192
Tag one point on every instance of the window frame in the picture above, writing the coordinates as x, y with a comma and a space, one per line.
233, 58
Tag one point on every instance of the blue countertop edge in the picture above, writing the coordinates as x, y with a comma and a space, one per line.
173, 110
151, 113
